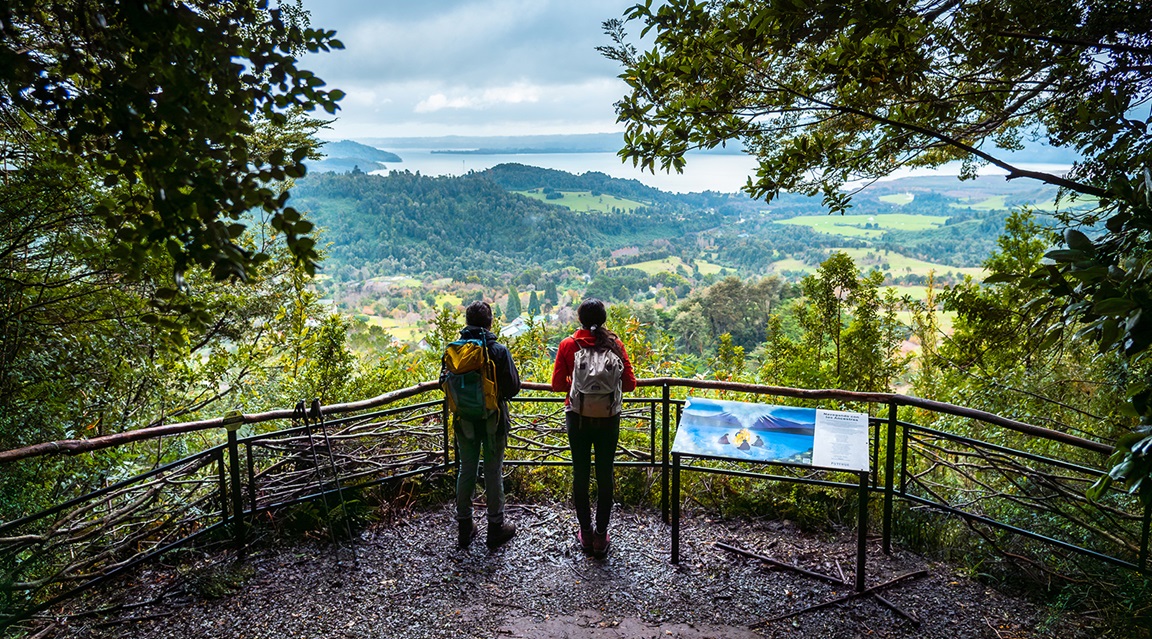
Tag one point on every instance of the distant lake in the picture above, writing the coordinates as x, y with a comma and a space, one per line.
723, 173
705, 171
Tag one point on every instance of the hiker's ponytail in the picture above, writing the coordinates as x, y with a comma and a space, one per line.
592, 317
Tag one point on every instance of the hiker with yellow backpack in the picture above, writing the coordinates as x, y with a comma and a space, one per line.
479, 377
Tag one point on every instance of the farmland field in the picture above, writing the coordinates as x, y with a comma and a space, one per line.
670, 264
584, 201
996, 202
897, 198
889, 262
400, 329
853, 225
450, 299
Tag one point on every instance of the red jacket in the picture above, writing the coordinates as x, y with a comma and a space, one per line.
562, 370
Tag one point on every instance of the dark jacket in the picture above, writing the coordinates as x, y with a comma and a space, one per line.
507, 377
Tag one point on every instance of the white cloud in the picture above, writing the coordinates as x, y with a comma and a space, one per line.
515, 94
469, 67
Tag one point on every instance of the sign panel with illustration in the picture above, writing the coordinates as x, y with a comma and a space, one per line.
768, 433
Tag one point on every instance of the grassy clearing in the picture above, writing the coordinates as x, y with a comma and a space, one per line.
918, 293
944, 318
582, 201
401, 330
889, 262
400, 281
899, 199
996, 202
670, 264
450, 299
708, 268
898, 264
853, 225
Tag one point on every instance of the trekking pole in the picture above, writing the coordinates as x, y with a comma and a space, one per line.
302, 414
318, 416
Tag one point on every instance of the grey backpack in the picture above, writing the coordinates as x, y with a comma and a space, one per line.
596, 374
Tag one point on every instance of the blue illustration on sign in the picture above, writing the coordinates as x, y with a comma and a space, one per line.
744, 431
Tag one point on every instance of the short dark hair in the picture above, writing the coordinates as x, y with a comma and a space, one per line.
591, 313
478, 313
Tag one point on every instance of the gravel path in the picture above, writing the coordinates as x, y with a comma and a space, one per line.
405, 580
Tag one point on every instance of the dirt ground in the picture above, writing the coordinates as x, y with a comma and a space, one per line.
405, 579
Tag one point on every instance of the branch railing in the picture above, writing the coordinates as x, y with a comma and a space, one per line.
1019, 487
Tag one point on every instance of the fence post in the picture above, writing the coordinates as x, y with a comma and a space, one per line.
667, 408
889, 469
237, 498
862, 531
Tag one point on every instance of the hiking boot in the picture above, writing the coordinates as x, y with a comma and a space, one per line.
600, 544
500, 533
466, 533
584, 538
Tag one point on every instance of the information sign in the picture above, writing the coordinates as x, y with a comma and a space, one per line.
766, 433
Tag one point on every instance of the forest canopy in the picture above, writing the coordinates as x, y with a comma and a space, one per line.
157, 102
828, 93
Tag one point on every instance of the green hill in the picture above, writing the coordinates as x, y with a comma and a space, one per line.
408, 224
405, 223
345, 155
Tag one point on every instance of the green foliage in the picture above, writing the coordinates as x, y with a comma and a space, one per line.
404, 223
827, 93
513, 310
731, 306
530, 351
445, 329
156, 100
854, 91
843, 333
728, 364
551, 296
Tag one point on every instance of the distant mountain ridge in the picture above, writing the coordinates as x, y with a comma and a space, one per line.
408, 223
344, 156
1034, 152
524, 144
404, 222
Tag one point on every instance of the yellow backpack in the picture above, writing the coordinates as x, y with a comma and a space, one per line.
469, 379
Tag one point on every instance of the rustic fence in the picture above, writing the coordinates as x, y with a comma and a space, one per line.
1018, 487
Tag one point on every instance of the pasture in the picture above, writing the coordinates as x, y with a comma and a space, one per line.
583, 201
994, 203
854, 225
899, 199
402, 330
670, 264
889, 262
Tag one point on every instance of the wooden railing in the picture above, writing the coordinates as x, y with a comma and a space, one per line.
1019, 486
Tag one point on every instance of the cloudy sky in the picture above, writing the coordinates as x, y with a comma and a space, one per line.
469, 67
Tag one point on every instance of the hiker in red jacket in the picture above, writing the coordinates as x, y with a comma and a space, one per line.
593, 368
